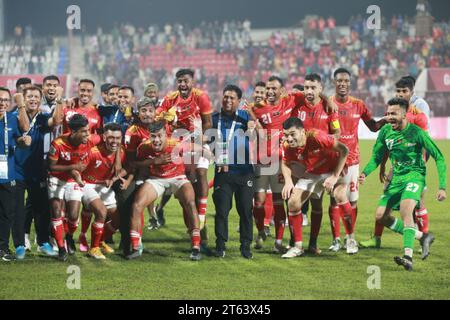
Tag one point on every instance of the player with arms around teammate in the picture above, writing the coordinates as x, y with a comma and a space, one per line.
405, 143
324, 158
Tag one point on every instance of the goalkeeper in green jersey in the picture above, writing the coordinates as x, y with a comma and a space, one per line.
405, 142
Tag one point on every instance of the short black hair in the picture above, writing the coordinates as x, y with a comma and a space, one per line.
112, 86
400, 102
32, 88
275, 78
232, 87
112, 126
260, 84
405, 82
313, 77
105, 87
157, 126
51, 77
87, 81
22, 81
293, 122
299, 86
410, 78
6, 90
183, 72
78, 121
341, 70
127, 88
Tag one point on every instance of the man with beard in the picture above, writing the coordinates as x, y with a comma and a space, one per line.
405, 143
193, 114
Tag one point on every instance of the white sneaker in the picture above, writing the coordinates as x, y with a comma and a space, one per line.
292, 253
27, 242
54, 244
305, 220
352, 246
335, 245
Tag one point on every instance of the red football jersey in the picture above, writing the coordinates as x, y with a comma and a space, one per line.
90, 112
198, 103
272, 117
100, 165
62, 151
168, 170
417, 117
317, 155
134, 136
316, 117
350, 113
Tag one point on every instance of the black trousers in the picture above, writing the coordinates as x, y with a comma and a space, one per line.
7, 208
241, 186
125, 200
38, 203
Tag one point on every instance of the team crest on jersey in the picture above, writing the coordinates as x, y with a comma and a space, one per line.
52, 151
65, 155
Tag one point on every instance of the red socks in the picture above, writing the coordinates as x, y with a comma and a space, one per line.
422, 219
135, 237
280, 219
335, 221
96, 234
378, 229
268, 209
296, 225
195, 238
258, 214
72, 226
346, 215
58, 231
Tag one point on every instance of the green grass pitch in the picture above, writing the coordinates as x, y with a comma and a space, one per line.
165, 272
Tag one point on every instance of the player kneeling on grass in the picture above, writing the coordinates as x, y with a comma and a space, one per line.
98, 196
405, 143
165, 170
324, 158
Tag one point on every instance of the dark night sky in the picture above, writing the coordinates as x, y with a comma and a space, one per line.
49, 16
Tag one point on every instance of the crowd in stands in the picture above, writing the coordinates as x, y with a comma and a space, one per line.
24, 55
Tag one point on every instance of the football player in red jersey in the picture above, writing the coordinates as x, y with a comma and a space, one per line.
98, 196
84, 105
323, 157
67, 158
404, 90
193, 113
317, 112
271, 113
165, 170
351, 111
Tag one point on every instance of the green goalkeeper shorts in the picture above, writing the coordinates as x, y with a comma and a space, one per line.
402, 189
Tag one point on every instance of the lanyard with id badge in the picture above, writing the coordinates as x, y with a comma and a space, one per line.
223, 146
4, 157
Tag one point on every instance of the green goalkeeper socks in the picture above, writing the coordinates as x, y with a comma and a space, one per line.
397, 226
408, 240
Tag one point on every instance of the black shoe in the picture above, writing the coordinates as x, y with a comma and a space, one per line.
220, 253
109, 241
71, 248
426, 242
205, 250
246, 253
267, 231
133, 255
62, 254
6, 255
195, 254
160, 217
404, 261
